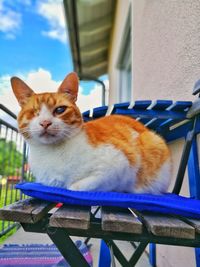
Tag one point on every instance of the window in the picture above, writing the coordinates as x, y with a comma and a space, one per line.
124, 63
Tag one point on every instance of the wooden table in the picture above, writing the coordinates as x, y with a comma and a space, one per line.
109, 224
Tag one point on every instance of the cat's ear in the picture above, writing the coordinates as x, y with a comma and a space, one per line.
70, 85
21, 90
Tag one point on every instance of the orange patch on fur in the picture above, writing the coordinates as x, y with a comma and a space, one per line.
118, 131
133, 139
154, 153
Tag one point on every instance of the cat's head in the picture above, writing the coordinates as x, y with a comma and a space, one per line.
48, 118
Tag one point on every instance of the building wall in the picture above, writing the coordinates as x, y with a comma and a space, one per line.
166, 48
165, 65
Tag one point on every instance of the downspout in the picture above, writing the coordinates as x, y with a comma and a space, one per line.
90, 78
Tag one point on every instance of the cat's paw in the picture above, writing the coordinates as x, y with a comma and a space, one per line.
86, 184
55, 183
75, 187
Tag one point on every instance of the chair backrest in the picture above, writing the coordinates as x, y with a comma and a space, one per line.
196, 88
184, 159
172, 120
192, 114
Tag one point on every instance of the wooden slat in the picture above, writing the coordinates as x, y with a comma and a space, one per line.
76, 217
120, 221
25, 211
160, 225
195, 223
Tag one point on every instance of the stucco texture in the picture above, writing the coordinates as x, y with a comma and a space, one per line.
166, 63
166, 48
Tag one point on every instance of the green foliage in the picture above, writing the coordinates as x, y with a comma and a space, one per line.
10, 165
11, 232
8, 195
10, 158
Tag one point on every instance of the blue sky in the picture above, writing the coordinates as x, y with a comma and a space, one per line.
34, 46
27, 44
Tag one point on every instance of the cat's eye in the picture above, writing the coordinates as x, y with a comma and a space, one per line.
59, 110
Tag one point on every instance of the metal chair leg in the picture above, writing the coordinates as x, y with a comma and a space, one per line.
152, 254
121, 258
117, 253
104, 255
138, 253
86, 241
67, 248
113, 264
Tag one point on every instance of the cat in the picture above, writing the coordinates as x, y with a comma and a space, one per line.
112, 153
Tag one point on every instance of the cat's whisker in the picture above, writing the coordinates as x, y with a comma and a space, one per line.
23, 132
23, 129
65, 132
26, 131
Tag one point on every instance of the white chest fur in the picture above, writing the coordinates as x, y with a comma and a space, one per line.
75, 159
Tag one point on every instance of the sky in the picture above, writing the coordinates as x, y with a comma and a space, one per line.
34, 46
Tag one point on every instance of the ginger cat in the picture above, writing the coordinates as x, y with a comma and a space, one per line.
113, 153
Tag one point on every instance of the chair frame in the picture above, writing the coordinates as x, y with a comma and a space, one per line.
161, 116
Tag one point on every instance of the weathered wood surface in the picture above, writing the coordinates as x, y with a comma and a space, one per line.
120, 221
195, 223
76, 217
26, 211
112, 219
167, 226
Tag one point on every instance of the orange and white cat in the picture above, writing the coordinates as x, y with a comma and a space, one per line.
113, 153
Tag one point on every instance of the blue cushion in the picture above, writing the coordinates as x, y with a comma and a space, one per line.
167, 203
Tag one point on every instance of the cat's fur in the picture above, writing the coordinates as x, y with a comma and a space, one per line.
113, 153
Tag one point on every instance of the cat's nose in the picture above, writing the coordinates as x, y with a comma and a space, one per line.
45, 124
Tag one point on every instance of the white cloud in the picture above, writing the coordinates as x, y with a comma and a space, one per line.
53, 12
6, 96
4, 84
41, 81
90, 101
94, 99
10, 21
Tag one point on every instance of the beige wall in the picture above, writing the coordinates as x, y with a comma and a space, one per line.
166, 48
165, 65
172, 256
